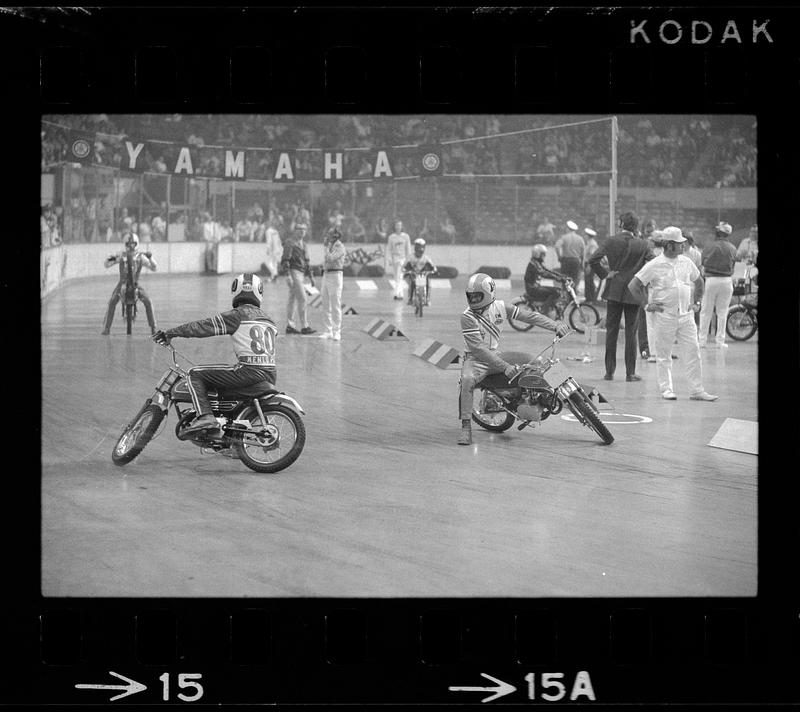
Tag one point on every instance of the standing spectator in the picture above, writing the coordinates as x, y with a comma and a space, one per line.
748, 248
159, 227
670, 277
44, 224
272, 239
211, 236
144, 231
717, 262
332, 284
357, 231
589, 286
398, 250
645, 319
295, 263
335, 216
259, 231
544, 233
382, 230
448, 230
626, 256
571, 252
244, 230
694, 254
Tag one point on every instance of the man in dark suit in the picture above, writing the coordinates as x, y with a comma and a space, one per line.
626, 255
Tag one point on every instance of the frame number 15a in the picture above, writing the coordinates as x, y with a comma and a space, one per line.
186, 681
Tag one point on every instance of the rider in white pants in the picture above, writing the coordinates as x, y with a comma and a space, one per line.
670, 280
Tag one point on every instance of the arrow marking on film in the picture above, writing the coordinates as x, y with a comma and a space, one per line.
131, 688
501, 688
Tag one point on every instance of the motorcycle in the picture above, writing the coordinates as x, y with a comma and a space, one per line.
579, 314
259, 425
421, 298
533, 394
129, 301
742, 321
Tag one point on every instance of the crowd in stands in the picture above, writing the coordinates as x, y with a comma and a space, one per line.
662, 151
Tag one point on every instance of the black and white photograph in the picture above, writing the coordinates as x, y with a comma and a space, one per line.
386, 355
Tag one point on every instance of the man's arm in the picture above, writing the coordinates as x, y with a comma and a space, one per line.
111, 260
638, 290
149, 261
217, 325
524, 313
595, 262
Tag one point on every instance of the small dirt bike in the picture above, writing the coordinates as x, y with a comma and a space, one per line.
532, 395
257, 424
742, 320
421, 297
130, 297
579, 314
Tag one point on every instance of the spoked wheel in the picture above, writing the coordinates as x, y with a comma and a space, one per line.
584, 409
582, 316
742, 322
280, 443
137, 434
487, 413
419, 302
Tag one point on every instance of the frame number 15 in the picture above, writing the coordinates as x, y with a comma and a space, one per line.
186, 681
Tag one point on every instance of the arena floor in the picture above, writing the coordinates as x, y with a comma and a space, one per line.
383, 502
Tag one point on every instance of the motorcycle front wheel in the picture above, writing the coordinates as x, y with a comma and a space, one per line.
742, 323
419, 302
137, 434
494, 421
582, 406
582, 316
272, 454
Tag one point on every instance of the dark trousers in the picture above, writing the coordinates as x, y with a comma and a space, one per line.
226, 378
641, 325
589, 287
571, 266
614, 311
117, 295
546, 295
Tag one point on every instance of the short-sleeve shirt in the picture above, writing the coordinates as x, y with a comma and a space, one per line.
670, 282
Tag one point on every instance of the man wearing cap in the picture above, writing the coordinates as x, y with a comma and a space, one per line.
571, 253
717, 266
626, 254
296, 265
665, 285
590, 245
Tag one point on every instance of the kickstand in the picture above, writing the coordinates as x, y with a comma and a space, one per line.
525, 424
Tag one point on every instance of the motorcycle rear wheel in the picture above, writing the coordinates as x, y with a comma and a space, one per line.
742, 322
137, 434
582, 316
291, 439
584, 407
496, 422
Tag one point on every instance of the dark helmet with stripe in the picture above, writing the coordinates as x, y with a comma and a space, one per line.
247, 289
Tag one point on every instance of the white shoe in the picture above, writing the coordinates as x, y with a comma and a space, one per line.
669, 395
337, 337
703, 396
723, 345
326, 335
651, 359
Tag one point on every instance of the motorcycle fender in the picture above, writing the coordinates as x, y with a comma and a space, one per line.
283, 399
160, 400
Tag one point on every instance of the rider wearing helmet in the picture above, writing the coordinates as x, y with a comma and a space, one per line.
419, 263
534, 273
481, 324
253, 334
130, 262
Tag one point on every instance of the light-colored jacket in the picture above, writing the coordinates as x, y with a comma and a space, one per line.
334, 256
398, 249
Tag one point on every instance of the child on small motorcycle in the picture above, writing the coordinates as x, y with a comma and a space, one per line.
420, 263
481, 324
534, 273
253, 334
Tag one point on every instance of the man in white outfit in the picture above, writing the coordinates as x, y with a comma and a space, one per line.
274, 249
670, 279
332, 285
718, 261
398, 250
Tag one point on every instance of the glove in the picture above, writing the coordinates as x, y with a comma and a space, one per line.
161, 338
148, 255
510, 370
112, 258
562, 329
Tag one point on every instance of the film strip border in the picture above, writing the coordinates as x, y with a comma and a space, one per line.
367, 651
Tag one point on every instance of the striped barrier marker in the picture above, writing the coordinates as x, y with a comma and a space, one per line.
384, 331
368, 284
437, 353
440, 283
502, 284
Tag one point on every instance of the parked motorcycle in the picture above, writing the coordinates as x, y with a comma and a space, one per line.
579, 314
534, 393
742, 320
257, 424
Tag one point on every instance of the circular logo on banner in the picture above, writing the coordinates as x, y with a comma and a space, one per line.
620, 418
81, 148
430, 162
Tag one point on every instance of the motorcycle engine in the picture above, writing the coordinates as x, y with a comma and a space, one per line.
530, 412
491, 403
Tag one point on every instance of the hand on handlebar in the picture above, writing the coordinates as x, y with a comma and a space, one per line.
161, 338
562, 329
511, 370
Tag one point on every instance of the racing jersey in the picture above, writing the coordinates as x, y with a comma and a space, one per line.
419, 264
138, 260
481, 331
252, 331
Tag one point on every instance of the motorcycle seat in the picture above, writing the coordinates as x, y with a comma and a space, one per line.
264, 388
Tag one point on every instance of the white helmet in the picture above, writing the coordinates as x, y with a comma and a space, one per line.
129, 237
539, 251
247, 288
419, 246
480, 290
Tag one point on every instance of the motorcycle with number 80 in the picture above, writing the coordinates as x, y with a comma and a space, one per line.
259, 425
